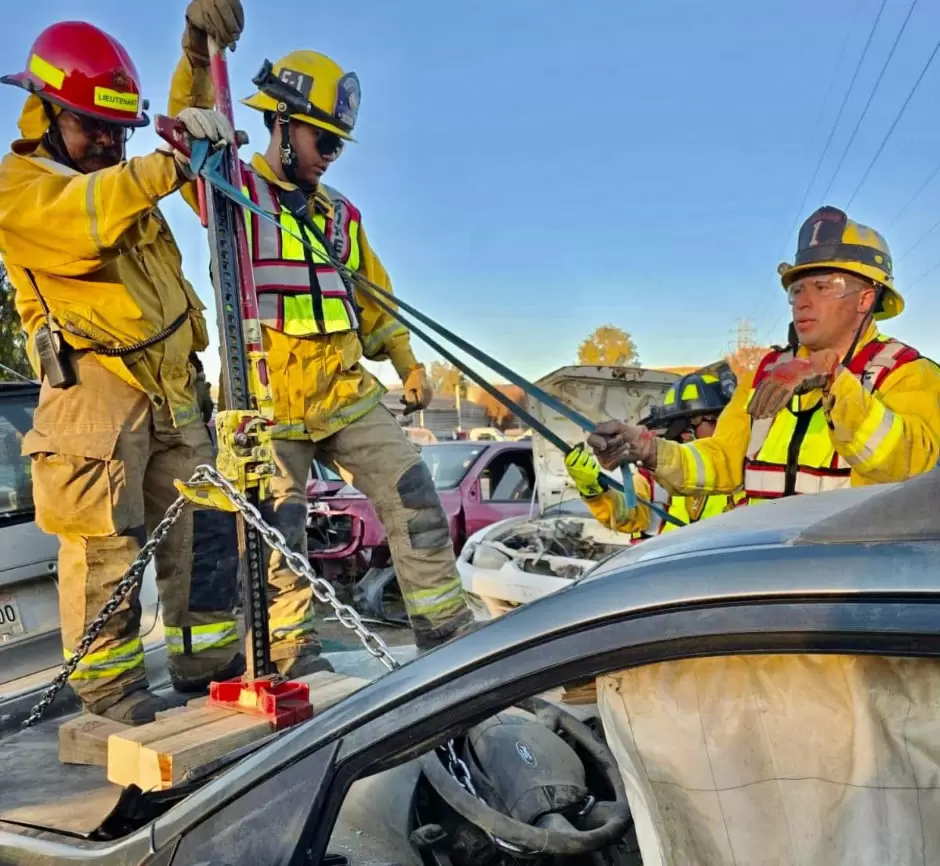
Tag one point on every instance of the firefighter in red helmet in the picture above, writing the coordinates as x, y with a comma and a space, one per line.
112, 325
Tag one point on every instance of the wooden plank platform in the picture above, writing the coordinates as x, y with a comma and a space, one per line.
84, 739
158, 755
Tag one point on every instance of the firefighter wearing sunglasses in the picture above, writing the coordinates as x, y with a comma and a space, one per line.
317, 328
842, 405
689, 412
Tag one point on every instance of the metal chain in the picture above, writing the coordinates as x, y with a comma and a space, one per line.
458, 768
297, 563
300, 565
131, 578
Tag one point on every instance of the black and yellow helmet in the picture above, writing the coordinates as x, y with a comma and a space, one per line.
702, 393
830, 240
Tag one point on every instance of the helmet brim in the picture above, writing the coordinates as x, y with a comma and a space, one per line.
23, 81
262, 102
891, 303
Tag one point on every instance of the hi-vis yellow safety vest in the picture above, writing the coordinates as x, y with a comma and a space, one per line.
792, 453
692, 509
688, 509
298, 292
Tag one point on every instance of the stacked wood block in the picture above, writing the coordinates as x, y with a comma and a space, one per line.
159, 755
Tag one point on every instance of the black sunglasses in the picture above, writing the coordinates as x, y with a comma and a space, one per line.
329, 143
95, 128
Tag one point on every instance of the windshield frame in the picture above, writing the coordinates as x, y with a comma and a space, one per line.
464, 448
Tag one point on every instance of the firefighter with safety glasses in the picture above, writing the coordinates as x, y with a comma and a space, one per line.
843, 405
317, 329
689, 412
113, 325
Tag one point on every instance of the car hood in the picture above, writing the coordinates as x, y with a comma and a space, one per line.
599, 393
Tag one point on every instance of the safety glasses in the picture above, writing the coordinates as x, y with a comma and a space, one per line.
827, 287
94, 128
329, 143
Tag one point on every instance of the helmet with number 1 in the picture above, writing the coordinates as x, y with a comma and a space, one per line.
326, 96
78, 67
829, 240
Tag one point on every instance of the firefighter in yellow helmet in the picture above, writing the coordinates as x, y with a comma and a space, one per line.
842, 405
689, 412
317, 328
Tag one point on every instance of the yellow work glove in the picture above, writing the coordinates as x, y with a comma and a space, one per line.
418, 391
585, 471
219, 20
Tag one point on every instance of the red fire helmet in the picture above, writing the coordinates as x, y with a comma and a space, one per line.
79, 67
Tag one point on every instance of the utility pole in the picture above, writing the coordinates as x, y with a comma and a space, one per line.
745, 334
457, 404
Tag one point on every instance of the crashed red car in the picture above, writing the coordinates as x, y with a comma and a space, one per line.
479, 483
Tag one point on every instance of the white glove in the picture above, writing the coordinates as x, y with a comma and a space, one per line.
209, 124
200, 123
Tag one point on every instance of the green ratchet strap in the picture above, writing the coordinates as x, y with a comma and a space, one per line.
210, 168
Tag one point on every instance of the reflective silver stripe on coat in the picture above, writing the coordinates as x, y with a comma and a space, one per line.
279, 274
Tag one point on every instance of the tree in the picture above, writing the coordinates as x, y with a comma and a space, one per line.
744, 360
498, 414
608, 346
12, 337
446, 378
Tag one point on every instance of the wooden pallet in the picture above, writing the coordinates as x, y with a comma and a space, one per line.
158, 755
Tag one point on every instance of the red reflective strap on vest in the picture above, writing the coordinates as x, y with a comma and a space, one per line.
870, 365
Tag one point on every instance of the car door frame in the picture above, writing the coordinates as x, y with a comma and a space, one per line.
493, 511
831, 599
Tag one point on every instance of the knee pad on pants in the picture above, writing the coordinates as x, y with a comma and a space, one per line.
428, 529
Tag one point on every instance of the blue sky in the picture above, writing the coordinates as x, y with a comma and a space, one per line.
531, 169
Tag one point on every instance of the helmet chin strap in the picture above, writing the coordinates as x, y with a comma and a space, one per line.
52, 139
289, 160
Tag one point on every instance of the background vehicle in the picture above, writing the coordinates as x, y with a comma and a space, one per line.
479, 483
523, 558
809, 576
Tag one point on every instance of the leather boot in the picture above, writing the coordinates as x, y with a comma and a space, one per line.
200, 685
135, 708
301, 666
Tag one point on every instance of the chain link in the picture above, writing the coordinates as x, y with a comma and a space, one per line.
458, 768
297, 563
131, 578
300, 565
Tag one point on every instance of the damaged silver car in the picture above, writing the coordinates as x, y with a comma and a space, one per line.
524, 558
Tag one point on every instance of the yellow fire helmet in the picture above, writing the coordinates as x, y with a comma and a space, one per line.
310, 87
829, 239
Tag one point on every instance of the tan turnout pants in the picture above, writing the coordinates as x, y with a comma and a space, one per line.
387, 468
104, 462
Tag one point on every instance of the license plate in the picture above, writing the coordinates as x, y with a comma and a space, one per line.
11, 622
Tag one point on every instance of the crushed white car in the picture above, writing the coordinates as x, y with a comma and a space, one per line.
521, 559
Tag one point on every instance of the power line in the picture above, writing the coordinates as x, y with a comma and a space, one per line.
914, 197
871, 97
833, 78
918, 242
897, 119
922, 277
835, 124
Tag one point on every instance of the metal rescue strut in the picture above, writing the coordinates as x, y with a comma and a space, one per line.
210, 168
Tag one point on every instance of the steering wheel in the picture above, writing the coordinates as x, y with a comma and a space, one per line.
606, 823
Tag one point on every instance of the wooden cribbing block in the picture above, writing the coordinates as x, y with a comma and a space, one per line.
328, 688
165, 762
124, 748
84, 739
